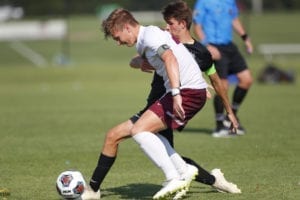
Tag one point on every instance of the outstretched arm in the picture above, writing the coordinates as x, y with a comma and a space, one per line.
220, 90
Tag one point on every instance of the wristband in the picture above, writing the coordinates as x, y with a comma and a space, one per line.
244, 36
175, 91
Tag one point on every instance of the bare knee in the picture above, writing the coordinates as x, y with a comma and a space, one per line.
245, 79
111, 138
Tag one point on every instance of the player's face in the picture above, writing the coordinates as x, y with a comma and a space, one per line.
175, 27
124, 37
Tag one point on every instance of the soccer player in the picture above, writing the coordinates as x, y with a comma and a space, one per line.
120, 132
214, 23
185, 96
178, 17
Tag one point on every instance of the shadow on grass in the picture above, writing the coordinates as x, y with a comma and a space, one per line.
145, 191
198, 130
132, 191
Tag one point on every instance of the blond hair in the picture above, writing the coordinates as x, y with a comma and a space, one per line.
116, 21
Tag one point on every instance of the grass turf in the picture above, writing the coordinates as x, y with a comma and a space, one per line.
54, 118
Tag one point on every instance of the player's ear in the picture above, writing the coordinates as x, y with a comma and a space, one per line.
127, 27
183, 24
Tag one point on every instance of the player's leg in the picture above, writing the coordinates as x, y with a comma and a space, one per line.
245, 80
222, 66
220, 130
203, 176
143, 133
107, 157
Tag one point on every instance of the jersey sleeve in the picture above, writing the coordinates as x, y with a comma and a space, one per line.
211, 70
201, 55
156, 40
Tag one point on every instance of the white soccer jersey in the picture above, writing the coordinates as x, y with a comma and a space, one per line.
150, 39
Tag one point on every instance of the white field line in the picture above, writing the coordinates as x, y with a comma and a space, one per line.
29, 53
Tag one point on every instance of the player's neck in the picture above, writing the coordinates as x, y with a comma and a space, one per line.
186, 38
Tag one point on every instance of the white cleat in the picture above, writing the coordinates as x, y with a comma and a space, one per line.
171, 187
180, 194
222, 185
90, 194
190, 174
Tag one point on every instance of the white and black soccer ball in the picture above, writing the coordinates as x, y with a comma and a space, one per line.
70, 184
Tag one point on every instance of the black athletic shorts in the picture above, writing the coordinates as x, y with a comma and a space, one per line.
231, 62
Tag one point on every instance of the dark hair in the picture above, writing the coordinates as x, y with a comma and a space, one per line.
180, 11
116, 21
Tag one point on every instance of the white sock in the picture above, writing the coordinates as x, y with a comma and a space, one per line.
156, 151
177, 160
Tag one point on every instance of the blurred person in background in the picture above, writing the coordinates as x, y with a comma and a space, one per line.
214, 22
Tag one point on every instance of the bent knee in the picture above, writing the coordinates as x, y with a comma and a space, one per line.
246, 83
112, 138
245, 79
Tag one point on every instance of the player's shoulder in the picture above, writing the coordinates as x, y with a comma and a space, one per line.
196, 47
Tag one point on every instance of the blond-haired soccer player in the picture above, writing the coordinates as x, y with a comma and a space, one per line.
185, 95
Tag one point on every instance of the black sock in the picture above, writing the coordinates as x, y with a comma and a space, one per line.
238, 97
168, 134
103, 166
203, 175
218, 104
219, 109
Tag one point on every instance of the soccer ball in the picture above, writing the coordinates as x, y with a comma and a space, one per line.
70, 184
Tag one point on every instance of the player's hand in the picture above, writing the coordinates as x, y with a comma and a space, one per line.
234, 123
146, 67
215, 53
249, 46
177, 107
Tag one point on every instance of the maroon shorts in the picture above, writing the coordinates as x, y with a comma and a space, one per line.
192, 101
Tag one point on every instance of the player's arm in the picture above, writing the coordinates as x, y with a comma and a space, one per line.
239, 29
138, 62
220, 90
172, 69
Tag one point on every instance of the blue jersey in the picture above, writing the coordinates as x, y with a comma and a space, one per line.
215, 17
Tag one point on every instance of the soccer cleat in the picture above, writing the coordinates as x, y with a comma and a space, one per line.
222, 185
4, 192
222, 132
171, 187
188, 176
190, 173
90, 194
227, 122
240, 130
180, 194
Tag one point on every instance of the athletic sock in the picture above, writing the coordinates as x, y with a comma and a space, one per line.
203, 175
103, 166
239, 95
156, 151
219, 109
176, 159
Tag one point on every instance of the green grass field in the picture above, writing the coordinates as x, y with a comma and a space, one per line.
54, 118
